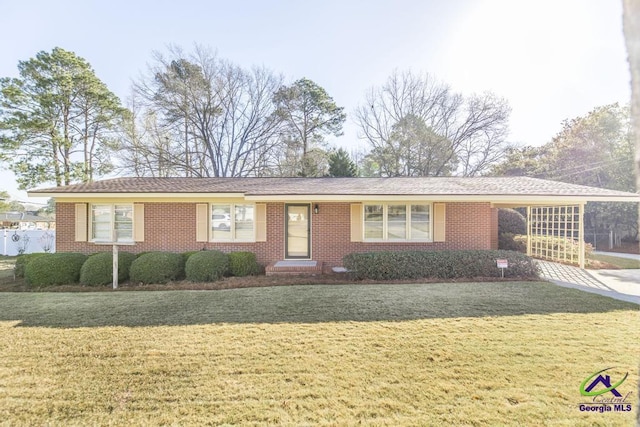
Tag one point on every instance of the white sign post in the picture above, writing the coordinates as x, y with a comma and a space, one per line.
502, 264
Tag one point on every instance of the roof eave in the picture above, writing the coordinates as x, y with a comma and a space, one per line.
495, 198
129, 195
492, 198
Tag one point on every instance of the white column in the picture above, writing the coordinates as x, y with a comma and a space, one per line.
581, 234
528, 230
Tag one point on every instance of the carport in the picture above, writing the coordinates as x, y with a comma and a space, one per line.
555, 231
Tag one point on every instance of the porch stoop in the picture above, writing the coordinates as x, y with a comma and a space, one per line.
294, 267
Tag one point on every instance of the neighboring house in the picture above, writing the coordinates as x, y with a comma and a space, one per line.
25, 221
319, 219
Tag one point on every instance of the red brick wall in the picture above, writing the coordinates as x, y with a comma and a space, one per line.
171, 227
494, 228
468, 226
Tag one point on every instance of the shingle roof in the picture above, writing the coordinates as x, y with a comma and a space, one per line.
423, 186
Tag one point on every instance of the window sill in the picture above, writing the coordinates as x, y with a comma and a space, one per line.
113, 243
232, 241
395, 241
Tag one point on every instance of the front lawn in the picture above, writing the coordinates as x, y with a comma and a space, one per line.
615, 261
508, 353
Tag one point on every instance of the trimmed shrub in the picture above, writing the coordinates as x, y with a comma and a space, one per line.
186, 255
394, 265
98, 268
22, 261
512, 242
207, 266
54, 269
243, 264
157, 268
139, 254
511, 221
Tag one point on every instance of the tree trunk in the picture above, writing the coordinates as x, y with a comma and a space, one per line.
632, 37
54, 157
631, 20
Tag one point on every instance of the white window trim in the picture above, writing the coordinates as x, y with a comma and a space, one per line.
385, 223
111, 225
232, 214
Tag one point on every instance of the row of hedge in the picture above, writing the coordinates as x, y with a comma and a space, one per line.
397, 265
207, 266
146, 268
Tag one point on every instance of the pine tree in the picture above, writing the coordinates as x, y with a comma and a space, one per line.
341, 165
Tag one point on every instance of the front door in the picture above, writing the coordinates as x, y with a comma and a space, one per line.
297, 231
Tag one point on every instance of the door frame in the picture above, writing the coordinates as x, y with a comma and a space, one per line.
286, 230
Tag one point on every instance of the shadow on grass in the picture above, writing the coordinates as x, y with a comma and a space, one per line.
300, 304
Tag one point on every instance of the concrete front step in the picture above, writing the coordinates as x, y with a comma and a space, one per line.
294, 267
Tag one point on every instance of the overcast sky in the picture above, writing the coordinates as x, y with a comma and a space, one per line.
551, 59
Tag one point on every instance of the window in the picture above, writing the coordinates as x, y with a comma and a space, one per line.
397, 222
373, 221
420, 222
232, 223
112, 223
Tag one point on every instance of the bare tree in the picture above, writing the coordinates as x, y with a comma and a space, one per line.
429, 130
145, 146
219, 119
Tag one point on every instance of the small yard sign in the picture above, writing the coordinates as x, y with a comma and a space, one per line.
502, 264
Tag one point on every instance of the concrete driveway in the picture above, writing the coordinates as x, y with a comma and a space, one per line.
619, 284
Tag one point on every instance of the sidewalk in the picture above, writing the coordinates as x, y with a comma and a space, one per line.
619, 284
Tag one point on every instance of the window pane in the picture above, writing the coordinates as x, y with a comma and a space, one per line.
221, 222
244, 222
101, 213
373, 215
420, 213
101, 223
123, 223
397, 222
101, 232
420, 222
419, 231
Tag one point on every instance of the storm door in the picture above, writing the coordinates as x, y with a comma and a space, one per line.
297, 231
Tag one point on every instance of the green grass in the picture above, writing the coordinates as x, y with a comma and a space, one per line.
509, 353
616, 261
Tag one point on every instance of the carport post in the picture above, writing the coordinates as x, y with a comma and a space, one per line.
581, 247
528, 230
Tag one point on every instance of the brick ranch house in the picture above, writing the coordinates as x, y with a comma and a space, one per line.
316, 219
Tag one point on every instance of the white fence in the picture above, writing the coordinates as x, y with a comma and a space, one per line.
15, 242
